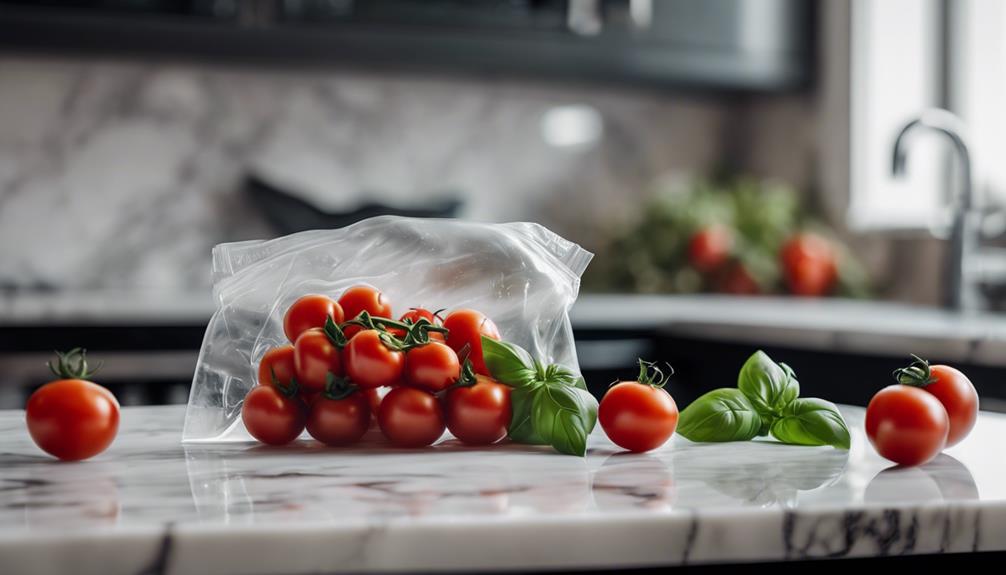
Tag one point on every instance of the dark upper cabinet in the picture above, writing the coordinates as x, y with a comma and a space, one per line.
761, 45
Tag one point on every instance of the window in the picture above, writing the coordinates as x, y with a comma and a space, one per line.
977, 80
895, 56
906, 55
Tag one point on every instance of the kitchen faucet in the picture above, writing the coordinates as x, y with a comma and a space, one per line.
959, 270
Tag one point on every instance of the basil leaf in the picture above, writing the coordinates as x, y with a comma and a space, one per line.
766, 425
560, 375
521, 428
721, 415
564, 416
770, 386
508, 363
812, 421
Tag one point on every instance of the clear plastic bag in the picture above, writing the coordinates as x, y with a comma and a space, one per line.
521, 275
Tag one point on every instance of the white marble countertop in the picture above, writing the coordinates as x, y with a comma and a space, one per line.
150, 504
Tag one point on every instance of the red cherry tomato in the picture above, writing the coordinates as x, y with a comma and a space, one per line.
72, 418
639, 415
277, 366
272, 417
479, 414
808, 265
411, 417
308, 399
314, 357
907, 425
710, 247
954, 390
959, 397
433, 367
369, 363
413, 316
338, 422
734, 278
363, 298
466, 327
309, 312
374, 397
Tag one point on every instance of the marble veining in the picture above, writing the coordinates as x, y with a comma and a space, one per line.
152, 505
135, 168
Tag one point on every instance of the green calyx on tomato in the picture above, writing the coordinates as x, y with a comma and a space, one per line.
550, 403
288, 390
650, 374
416, 333
467, 377
335, 334
72, 365
766, 400
338, 387
918, 374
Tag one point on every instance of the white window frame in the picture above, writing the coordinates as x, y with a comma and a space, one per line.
977, 90
895, 55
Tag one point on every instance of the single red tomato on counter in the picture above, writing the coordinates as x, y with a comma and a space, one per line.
278, 367
339, 417
639, 415
710, 247
362, 298
72, 418
411, 417
433, 367
273, 415
315, 356
308, 312
369, 362
808, 265
954, 390
466, 328
479, 413
906, 425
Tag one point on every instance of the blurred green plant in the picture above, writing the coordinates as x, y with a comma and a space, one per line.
739, 235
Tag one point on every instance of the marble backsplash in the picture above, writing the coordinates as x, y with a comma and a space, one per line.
121, 176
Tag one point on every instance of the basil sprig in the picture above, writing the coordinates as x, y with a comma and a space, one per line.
549, 403
765, 401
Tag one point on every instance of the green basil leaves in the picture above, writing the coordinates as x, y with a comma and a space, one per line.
549, 403
521, 427
769, 385
765, 401
811, 421
508, 363
564, 416
721, 415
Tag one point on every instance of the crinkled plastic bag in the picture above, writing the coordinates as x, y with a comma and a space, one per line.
521, 275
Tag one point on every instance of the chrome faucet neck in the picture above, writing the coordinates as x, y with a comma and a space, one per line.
960, 292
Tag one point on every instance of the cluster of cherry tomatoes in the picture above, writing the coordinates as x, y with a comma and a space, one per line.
349, 361
930, 408
808, 263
